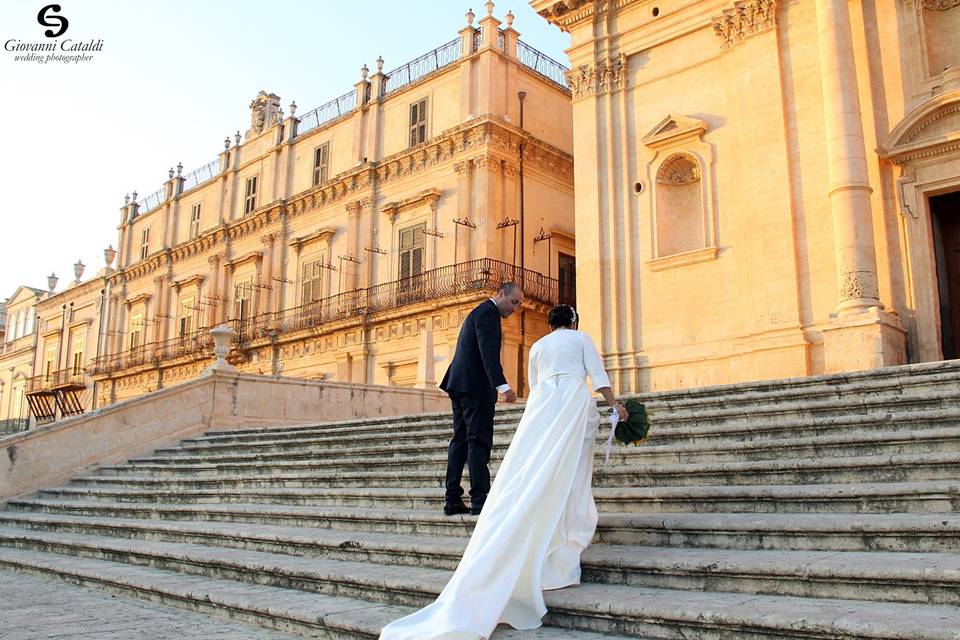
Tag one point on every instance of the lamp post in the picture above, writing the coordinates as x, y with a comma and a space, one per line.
510, 222
460, 223
348, 258
548, 237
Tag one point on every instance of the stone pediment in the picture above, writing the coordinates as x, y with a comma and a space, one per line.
673, 129
930, 129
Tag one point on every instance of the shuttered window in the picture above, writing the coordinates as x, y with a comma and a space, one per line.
418, 122
411, 251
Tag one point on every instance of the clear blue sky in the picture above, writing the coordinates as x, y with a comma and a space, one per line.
174, 78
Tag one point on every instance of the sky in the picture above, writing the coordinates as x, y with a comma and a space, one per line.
174, 78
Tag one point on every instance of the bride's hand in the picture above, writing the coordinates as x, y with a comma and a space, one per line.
621, 411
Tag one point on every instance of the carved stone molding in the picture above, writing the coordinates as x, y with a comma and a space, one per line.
746, 18
939, 5
428, 198
604, 75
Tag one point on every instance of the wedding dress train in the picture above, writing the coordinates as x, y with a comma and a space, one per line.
539, 515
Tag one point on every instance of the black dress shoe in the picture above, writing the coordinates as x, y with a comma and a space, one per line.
475, 511
455, 509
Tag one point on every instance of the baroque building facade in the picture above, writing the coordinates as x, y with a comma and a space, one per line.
16, 357
765, 188
349, 242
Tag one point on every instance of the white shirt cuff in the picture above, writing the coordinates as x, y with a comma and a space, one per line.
503, 388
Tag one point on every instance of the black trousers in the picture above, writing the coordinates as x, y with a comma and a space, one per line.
470, 445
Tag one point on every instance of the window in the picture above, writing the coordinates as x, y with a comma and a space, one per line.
22, 324
250, 195
144, 243
411, 253
321, 161
136, 331
195, 221
49, 361
78, 345
242, 300
311, 288
418, 122
185, 317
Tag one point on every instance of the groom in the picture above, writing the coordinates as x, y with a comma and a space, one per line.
472, 382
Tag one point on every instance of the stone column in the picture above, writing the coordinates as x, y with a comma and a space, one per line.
846, 159
213, 317
861, 334
159, 323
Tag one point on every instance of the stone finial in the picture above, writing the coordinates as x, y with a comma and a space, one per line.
179, 168
170, 173
78, 268
364, 71
134, 196
126, 199
489, 7
52, 282
236, 138
470, 15
222, 335
108, 256
379, 64
226, 143
293, 108
509, 19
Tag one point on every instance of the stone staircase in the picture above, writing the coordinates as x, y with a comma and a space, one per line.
824, 507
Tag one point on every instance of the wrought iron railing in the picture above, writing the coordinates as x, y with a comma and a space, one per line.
198, 344
424, 65
14, 425
327, 112
152, 201
201, 175
477, 275
55, 380
542, 64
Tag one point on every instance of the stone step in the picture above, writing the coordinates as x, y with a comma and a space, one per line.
628, 611
308, 613
920, 533
902, 577
893, 497
878, 468
402, 441
387, 456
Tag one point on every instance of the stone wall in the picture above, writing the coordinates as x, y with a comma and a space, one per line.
53, 453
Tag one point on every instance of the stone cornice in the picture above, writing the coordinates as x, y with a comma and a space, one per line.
143, 297
430, 197
746, 18
356, 180
193, 280
247, 257
198, 245
320, 235
71, 294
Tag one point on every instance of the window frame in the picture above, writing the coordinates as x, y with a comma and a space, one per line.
144, 243
417, 122
321, 169
250, 194
195, 212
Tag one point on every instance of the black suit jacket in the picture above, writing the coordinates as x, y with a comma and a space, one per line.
476, 369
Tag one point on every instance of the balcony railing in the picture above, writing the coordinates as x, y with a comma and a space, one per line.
61, 379
542, 64
327, 112
477, 275
198, 344
14, 425
424, 65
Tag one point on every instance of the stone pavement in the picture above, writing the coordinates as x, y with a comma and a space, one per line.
35, 608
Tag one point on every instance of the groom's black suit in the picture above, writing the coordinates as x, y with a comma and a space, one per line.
471, 382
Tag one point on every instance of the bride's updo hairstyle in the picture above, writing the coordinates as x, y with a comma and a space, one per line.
562, 316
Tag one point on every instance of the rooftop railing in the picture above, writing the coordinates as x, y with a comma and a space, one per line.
327, 112
152, 201
201, 175
423, 66
542, 64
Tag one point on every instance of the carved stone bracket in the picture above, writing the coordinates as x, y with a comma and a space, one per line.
604, 75
747, 18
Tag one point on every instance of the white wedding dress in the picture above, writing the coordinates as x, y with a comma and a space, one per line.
539, 515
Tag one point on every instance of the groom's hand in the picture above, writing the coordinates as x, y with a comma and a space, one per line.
510, 395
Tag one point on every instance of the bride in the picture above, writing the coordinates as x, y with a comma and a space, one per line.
540, 514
